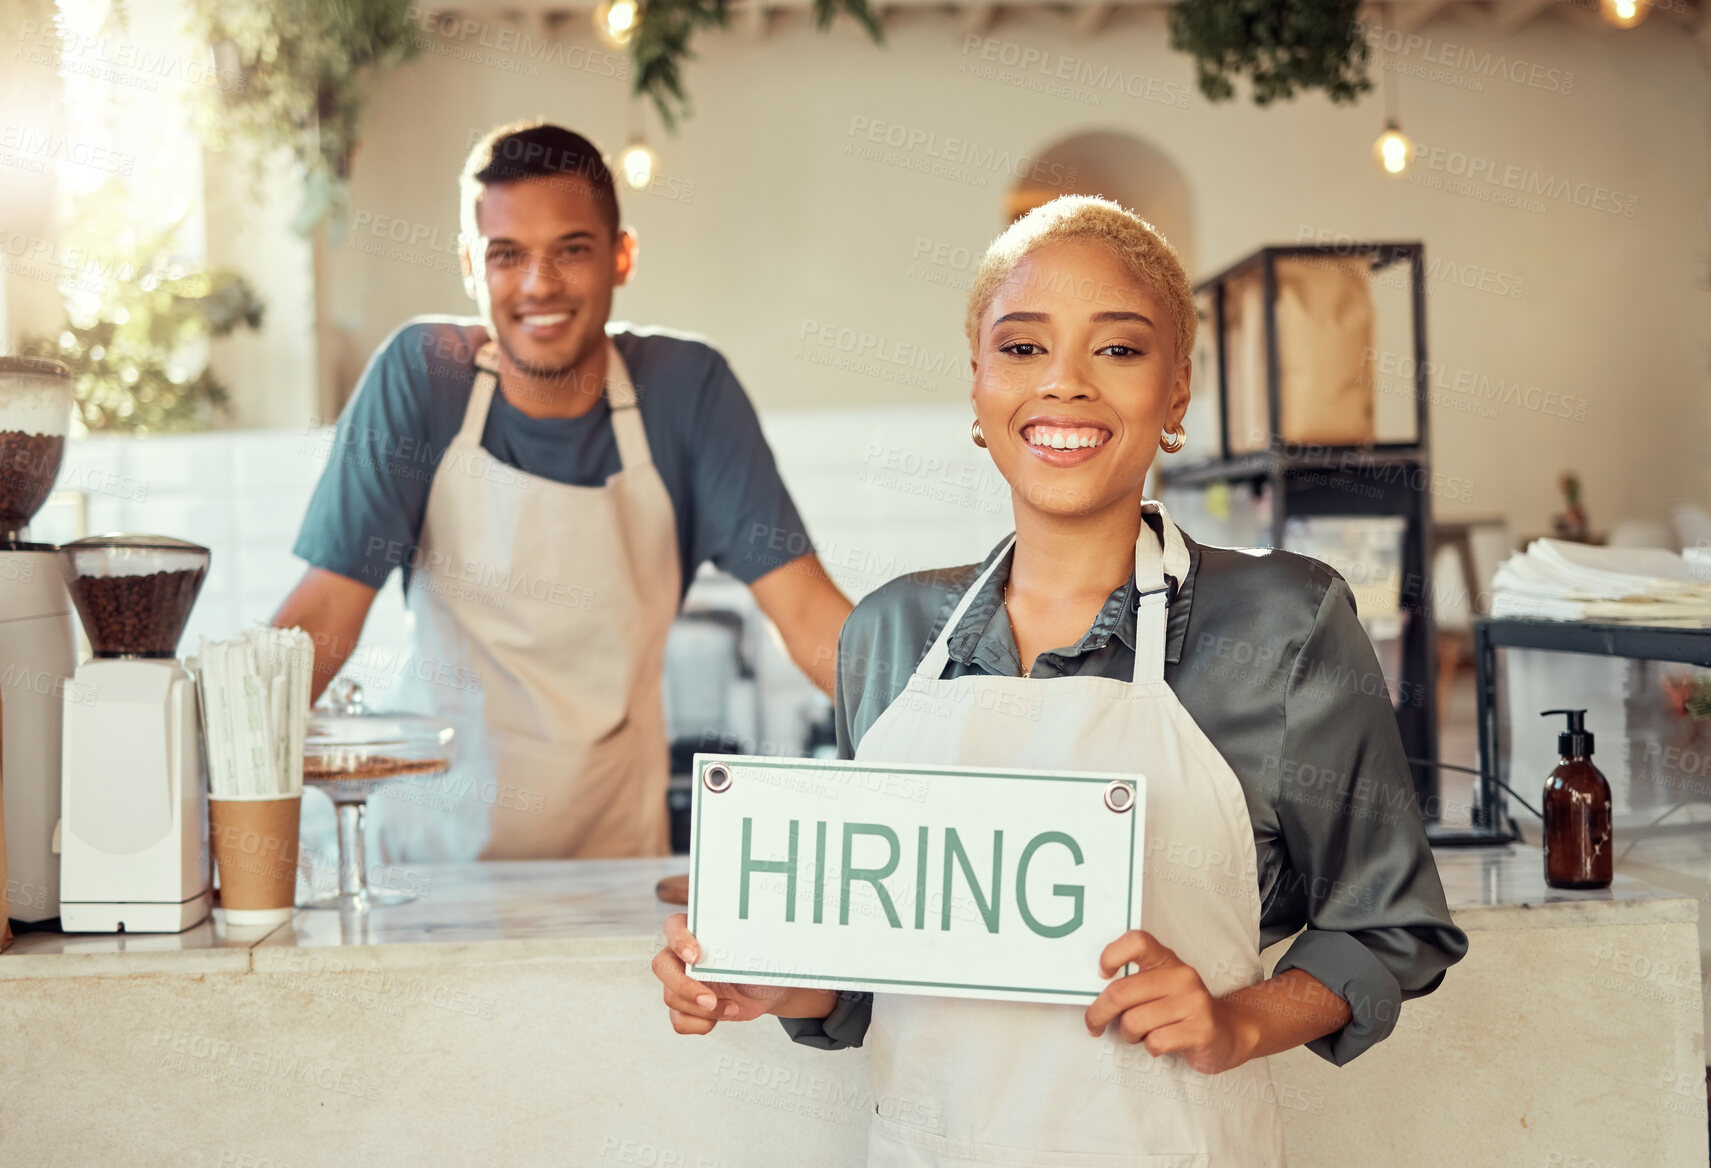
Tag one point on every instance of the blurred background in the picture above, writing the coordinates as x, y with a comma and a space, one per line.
1467, 241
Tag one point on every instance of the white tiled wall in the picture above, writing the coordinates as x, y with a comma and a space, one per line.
239, 492
883, 492
890, 491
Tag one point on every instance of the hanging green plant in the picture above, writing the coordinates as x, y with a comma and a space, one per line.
1283, 47
303, 70
138, 322
659, 46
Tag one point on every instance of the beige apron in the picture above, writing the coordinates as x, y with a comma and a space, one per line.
559, 599
959, 1082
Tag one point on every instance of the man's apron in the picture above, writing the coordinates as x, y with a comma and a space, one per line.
541, 611
959, 1082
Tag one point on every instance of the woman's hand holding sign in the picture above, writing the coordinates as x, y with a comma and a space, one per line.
1165, 1006
696, 1007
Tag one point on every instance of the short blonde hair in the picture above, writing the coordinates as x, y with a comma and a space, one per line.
1133, 240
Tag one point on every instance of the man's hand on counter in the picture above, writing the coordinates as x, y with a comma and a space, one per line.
696, 1007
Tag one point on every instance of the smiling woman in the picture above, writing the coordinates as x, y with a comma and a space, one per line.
1098, 616
1081, 322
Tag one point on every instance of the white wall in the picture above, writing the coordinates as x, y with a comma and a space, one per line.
270, 372
785, 227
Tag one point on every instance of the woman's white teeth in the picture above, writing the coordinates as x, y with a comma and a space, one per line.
541, 320
1064, 439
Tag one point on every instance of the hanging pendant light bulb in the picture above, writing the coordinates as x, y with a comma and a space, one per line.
638, 163
1623, 13
1393, 149
615, 21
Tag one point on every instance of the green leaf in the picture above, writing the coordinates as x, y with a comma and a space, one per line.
162, 324
1283, 47
665, 29
307, 67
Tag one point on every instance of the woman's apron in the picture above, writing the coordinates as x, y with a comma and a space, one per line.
1022, 1084
541, 611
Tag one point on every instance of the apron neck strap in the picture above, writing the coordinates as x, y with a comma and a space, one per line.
626, 415
932, 666
627, 427
481, 394
1150, 595
1153, 559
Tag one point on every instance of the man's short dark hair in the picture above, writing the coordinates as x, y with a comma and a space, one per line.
536, 150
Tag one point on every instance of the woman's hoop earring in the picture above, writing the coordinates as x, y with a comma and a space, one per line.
977, 434
1174, 440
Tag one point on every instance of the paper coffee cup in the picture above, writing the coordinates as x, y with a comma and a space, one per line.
255, 845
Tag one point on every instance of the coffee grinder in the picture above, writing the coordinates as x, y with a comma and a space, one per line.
134, 835
38, 644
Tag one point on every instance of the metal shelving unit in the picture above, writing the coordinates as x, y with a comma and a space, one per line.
1381, 479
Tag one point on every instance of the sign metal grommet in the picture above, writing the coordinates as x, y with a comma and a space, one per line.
717, 778
1119, 796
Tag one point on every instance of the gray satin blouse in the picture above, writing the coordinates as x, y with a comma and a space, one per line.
1266, 653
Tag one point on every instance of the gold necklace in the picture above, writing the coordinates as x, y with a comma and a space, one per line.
1026, 669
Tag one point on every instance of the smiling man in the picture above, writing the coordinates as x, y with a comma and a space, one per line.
548, 483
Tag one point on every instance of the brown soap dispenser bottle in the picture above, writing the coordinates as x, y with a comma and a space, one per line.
1577, 812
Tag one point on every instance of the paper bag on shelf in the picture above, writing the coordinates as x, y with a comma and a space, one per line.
1325, 329
1244, 357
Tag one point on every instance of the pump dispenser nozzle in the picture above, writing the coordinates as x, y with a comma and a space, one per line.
1576, 741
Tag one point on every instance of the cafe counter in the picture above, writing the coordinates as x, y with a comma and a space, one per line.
508, 1016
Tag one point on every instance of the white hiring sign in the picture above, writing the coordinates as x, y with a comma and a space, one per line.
955, 881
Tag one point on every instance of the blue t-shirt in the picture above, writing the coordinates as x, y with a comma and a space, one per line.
732, 508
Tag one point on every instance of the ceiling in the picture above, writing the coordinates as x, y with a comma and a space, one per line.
1494, 17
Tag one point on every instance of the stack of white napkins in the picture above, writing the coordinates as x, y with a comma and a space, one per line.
255, 710
1558, 580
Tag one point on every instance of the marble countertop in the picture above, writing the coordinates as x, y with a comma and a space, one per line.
1504, 888
520, 911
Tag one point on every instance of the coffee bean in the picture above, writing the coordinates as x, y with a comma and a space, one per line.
136, 616
29, 463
